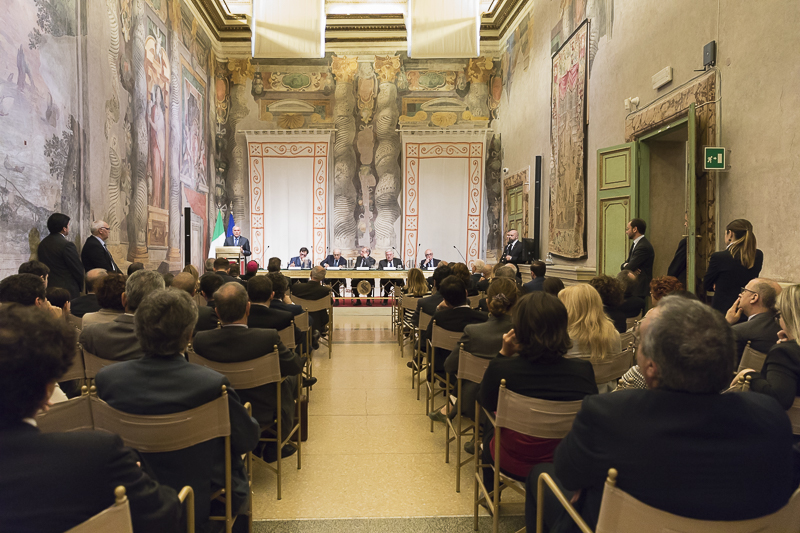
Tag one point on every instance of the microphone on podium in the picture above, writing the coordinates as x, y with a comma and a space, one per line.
459, 253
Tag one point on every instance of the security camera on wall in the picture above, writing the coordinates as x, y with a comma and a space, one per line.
505, 170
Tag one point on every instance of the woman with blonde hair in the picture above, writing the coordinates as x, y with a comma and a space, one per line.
593, 334
417, 285
731, 269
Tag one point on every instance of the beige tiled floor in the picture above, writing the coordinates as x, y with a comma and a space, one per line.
370, 452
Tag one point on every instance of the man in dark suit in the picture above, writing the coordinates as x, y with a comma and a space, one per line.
390, 262
429, 262
235, 342
640, 258
52, 482
315, 290
281, 302
363, 260
221, 269
678, 446
61, 256
677, 267
116, 340
301, 260
261, 315
237, 240
164, 382
337, 261
94, 253
88, 302
757, 303
477, 269
206, 315
538, 270
512, 254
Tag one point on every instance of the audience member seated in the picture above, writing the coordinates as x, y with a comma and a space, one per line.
235, 342
453, 314
109, 297
429, 304
461, 271
756, 302
538, 270
505, 271
208, 266
780, 376
164, 382
24, 289
417, 285
251, 269
167, 279
51, 482
58, 298
553, 286
613, 297
274, 264
116, 340
133, 267
36, 268
679, 446
315, 290
476, 269
88, 302
541, 339
259, 290
222, 269
185, 282
663, 286
629, 281
486, 276
281, 301
483, 339
198, 298
206, 316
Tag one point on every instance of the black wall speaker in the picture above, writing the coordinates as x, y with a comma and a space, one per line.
537, 206
187, 236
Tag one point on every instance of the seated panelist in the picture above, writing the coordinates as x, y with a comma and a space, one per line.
364, 260
237, 240
335, 260
429, 261
301, 260
390, 261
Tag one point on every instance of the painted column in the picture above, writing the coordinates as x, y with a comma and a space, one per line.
478, 73
344, 155
137, 218
174, 253
241, 70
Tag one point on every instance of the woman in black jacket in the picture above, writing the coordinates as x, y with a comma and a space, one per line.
731, 269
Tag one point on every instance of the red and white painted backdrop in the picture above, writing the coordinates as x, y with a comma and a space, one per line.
288, 195
443, 198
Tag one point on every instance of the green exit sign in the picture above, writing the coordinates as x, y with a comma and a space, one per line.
714, 158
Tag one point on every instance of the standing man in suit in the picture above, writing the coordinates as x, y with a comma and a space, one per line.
335, 260
513, 251
237, 240
429, 262
538, 270
61, 256
679, 445
301, 260
54, 481
94, 253
364, 260
88, 303
640, 258
757, 303
386, 284
315, 290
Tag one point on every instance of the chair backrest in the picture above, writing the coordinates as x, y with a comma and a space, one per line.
444, 338
72, 415
314, 305
409, 302
622, 513
245, 374
76, 369
752, 359
535, 417
630, 322
424, 320
165, 433
75, 321
625, 339
613, 366
474, 301
794, 415
301, 321
471, 367
116, 518
287, 336
93, 364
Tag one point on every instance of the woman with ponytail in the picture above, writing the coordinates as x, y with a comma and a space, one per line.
731, 269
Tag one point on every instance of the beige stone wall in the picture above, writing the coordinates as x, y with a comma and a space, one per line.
757, 45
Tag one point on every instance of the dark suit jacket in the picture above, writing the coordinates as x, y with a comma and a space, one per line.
313, 290
84, 304
455, 319
265, 317
93, 255
113, 340
677, 268
424, 263
761, 331
780, 377
232, 344
630, 308
681, 453
163, 385
536, 284
426, 305
729, 275
515, 253
330, 261
51, 482
482, 284
641, 259
244, 244
368, 261
306, 263
396, 262
206, 317
61, 256
227, 278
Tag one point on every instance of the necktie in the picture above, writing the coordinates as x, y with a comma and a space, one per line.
114, 267
236, 241
630, 252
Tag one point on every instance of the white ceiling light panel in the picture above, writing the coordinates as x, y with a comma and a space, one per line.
288, 28
443, 28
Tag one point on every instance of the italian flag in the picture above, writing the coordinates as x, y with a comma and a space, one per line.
219, 236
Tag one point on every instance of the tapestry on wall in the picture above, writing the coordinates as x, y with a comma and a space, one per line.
568, 147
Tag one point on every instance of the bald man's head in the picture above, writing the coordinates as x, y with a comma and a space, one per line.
185, 281
92, 277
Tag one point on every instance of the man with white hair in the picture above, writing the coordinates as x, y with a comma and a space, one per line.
335, 260
237, 240
95, 254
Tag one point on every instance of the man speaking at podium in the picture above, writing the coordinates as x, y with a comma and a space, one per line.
237, 240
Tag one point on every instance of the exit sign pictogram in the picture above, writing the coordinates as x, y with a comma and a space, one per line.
714, 158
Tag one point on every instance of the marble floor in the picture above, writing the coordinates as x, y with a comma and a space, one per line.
370, 453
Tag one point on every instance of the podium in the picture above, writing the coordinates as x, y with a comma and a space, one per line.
232, 253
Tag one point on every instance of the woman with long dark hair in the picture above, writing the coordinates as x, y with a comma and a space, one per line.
731, 269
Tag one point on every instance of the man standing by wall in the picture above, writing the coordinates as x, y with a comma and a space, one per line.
61, 256
640, 258
94, 253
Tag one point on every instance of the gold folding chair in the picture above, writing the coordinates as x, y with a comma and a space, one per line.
419, 364
75, 321
319, 305
116, 518
93, 364
741, 385
172, 432
751, 359
76, 369
626, 339
794, 416
631, 322
72, 415
622, 513
408, 304
613, 367
530, 416
470, 368
301, 321
474, 301
287, 336
254, 373
447, 340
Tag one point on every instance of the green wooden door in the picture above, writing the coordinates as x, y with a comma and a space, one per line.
617, 203
515, 210
691, 200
